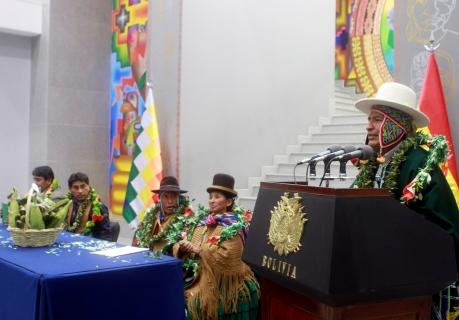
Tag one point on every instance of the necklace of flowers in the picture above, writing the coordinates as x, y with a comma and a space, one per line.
144, 234
243, 218
183, 226
93, 200
437, 154
52, 187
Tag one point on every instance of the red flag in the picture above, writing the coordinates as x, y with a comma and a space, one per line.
432, 103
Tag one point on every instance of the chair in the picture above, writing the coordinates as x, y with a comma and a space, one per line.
114, 231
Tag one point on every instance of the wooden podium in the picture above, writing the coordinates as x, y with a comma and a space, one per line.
362, 255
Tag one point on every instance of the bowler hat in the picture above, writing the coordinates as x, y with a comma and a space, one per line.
396, 96
223, 182
169, 184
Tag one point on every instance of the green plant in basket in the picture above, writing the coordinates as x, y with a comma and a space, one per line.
36, 211
13, 209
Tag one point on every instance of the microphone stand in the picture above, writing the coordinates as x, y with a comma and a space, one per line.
294, 173
307, 171
312, 170
326, 175
342, 170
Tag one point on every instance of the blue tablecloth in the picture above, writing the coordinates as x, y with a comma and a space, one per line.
65, 282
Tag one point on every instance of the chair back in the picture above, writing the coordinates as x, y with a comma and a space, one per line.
114, 231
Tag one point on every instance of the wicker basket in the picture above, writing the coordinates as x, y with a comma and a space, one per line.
27, 237
34, 238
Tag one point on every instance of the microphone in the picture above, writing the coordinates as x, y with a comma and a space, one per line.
340, 151
329, 150
342, 164
328, 159
363, 152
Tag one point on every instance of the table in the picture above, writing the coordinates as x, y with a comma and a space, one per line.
64, 282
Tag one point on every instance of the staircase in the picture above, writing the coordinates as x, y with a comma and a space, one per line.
344, 126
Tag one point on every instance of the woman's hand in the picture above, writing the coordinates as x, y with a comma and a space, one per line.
188, 247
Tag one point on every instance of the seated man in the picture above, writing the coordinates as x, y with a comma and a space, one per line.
168, 205
86, 214
43, 177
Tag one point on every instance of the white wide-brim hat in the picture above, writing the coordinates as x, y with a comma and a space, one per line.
397, 96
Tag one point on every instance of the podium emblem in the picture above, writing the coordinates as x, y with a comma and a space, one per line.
286, 224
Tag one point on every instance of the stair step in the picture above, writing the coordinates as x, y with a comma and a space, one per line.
296, 157
334, 168
315, 147
343, 89
247, 202
348, 119
343, 94
283, 177
348, 94
345, 101
343, 128
345, 110
348, 105
244, 192
248, 197
337, 138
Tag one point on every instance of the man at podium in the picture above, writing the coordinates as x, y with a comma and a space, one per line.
408, 165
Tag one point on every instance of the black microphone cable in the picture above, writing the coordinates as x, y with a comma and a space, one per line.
326, 169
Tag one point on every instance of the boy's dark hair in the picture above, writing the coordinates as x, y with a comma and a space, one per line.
43, 171
78, 176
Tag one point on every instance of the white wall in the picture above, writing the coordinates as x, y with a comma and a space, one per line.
255, 74
22, 17
164, 73
15, 66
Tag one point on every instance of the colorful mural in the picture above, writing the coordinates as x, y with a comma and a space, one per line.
127, 96
364, 43
343, 63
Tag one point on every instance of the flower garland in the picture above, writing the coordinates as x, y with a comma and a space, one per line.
438, 153
92, 200
52, 187
243, 220
187, 227
144, 234
183, 227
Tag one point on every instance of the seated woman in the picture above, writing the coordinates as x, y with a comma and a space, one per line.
169, 204
223, 287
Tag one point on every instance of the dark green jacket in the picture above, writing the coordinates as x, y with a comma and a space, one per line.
438, 204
